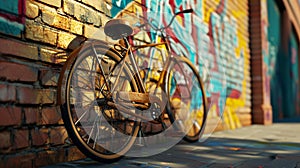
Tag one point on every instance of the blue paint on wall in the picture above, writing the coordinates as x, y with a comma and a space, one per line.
9, 6
11, 20
282, 67
118, 5
10, 28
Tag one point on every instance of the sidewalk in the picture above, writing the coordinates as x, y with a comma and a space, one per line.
257, 146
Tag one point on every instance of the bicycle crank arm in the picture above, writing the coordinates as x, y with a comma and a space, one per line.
125, 110
138, 97
129, 105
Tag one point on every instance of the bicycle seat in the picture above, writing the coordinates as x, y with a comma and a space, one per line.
117, 29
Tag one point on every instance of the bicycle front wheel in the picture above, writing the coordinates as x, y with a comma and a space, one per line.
187, 99
101, 131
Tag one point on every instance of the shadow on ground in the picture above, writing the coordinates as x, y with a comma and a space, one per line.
214, 152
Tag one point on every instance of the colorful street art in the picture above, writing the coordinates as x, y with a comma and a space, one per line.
213, 38
12, 17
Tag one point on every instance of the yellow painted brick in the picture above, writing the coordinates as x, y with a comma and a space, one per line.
64, 39
76, 27
50, 55
68, 7
44, 7
50, 36
94, 3
56, 3
37, 32
89, 30
87, 15
104, 19
105, 8
33, 30
47, 55
56, 20
62, 22
95, 33
32, 10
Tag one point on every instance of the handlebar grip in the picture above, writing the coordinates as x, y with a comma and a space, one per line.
188, 11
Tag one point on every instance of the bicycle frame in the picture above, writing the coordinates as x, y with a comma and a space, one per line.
129, 53
141, 96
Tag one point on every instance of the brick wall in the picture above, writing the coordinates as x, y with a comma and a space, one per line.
261, 107
235, 59
34, 34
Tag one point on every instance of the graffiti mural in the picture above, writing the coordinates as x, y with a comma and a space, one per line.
213, 39
12, 18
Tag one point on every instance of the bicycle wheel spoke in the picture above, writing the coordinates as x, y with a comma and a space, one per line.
92, 130
96, 138
81, 117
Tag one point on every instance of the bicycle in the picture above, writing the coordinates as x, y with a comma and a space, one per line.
107, 100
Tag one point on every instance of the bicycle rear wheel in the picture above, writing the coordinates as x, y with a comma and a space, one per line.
187, 99
102, 132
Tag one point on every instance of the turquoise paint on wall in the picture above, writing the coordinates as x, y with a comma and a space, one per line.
118, 5
10, 28
282, 68
8, 25
10, 6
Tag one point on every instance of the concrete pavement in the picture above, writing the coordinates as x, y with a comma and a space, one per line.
274, 146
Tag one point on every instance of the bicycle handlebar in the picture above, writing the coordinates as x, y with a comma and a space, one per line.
162, 28
177, 13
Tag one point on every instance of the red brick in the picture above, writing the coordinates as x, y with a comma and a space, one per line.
10, 116
21, 139
61, 155
73, 153
51, 115
18, 48
32, 115
40, 137
52, 55
45, 158
27, 95
49, 77
5, 139
17, 72
257, 92
255, 13
58, 135
21, 161
257, 62
7, 93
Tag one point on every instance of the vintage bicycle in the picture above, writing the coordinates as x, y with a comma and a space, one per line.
108, 101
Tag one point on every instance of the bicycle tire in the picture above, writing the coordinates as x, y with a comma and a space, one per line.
75, 66
187, 104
